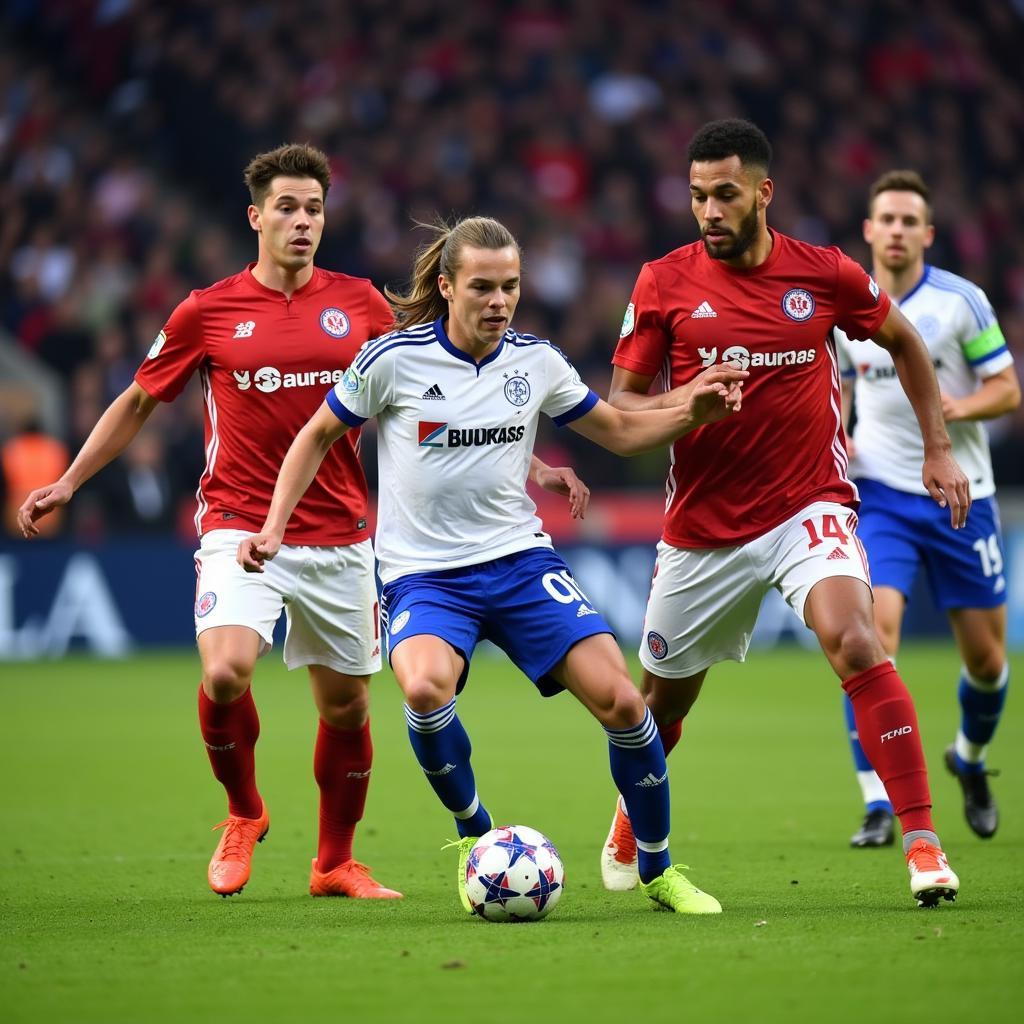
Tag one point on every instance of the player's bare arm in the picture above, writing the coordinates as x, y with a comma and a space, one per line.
942, 477
629, 392
114, 430
997, 395
712, 395
562, 480
303, 459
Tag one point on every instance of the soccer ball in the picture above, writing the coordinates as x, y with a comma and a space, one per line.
514, 874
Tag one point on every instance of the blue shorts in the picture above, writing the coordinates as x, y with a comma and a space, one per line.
902, 531
526, 603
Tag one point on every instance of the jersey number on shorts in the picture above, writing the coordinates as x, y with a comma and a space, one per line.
563, 588
990, 555
829, 528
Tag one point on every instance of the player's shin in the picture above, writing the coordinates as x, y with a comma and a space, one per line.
981, 706
230, 732
889, 733
443, 751
342, 760
638, 767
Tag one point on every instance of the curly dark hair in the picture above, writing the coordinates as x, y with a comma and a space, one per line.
718, 140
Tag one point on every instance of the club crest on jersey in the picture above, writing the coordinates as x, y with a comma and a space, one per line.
627, 320
335, 322
657, 645
154, 349
399, 624
798, 304
205, 604
517, 390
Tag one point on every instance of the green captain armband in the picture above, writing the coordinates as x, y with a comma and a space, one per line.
987, 344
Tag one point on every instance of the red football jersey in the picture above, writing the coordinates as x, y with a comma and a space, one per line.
732, 481
266, 363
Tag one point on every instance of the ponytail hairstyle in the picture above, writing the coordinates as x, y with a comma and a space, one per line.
424, 303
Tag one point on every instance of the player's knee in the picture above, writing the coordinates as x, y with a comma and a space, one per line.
225, 680
623, 708
424, 694
349, 711
857, 648
985, 665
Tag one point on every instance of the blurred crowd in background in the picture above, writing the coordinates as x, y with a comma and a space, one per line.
125, 126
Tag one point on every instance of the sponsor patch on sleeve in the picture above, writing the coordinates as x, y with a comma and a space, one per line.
628, 321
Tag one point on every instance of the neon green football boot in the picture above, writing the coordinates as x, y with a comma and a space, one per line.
672, 889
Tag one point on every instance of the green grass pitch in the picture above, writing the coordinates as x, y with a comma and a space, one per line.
107, 801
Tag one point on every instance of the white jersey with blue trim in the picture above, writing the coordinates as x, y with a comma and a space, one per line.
956, 321
455, 442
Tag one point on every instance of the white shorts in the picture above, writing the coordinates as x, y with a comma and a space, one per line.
329, 595
704, 603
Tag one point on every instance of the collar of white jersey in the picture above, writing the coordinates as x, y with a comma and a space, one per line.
446, 343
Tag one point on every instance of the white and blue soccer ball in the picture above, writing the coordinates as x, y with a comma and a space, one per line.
514, 873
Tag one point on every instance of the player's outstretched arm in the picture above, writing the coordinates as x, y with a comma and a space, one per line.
113, 432
941, 475
562, 480
712, 395
300, 465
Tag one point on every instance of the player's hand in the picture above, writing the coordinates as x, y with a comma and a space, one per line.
563, 480
256, 549
714, 393
41, 502
946, 483
952, 408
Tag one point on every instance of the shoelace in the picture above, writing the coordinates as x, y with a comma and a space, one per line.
927, 858
236, 836
458, 842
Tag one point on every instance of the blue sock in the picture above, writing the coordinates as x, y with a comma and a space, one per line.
638, 768
981, 706
870, 785
442, 749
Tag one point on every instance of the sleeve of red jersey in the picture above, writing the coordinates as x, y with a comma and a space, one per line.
643, 340
861, 306
382, 317
175, 354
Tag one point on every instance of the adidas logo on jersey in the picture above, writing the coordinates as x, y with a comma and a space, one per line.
703, 311
839, 553
434, 393
584, 610
651, 780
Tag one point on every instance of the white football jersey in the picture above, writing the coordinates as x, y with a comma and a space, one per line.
455, 441
956, 321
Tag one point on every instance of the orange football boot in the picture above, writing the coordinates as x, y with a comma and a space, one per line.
229, 867
348, 879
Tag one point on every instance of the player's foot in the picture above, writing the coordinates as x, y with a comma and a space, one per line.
229, 867
618, 857
931, 877
348, 879
674, 890
464, 845
875, 830
980, 808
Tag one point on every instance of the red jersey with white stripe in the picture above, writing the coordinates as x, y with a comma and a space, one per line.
735, 480
266, 362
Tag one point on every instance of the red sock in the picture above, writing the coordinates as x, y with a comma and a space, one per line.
341, 766
889, 733
230, 732
670, 735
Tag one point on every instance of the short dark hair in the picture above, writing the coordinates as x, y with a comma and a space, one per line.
718, 140
295, 160
901, 181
